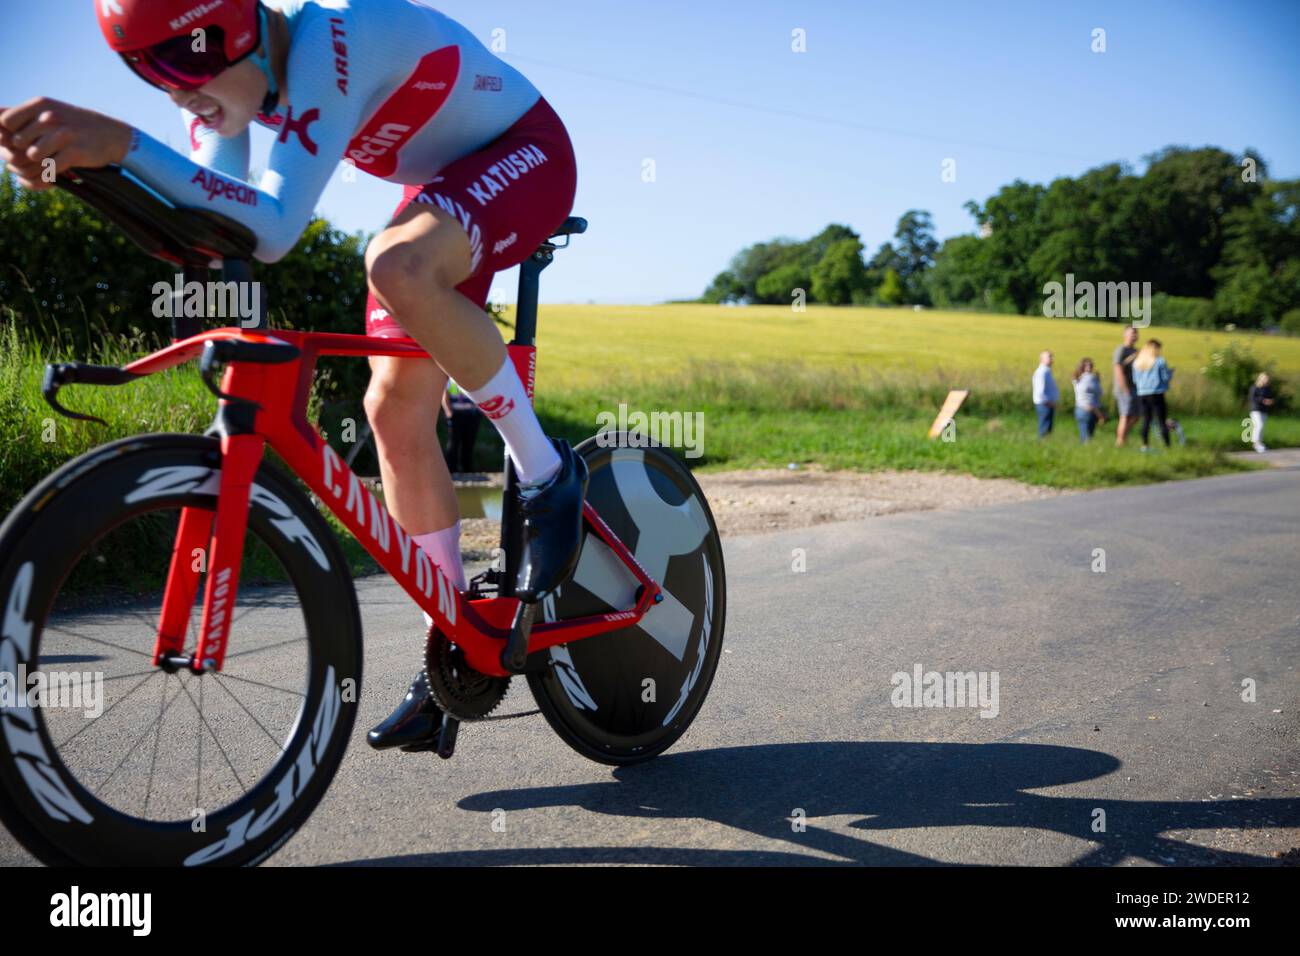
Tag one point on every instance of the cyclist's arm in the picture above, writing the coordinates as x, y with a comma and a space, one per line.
209, 148
308, 148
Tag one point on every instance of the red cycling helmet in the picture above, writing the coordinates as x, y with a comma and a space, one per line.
156, 37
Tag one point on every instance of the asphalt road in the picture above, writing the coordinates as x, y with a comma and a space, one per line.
1120, 734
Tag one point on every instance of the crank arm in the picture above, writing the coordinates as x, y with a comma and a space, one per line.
514, 656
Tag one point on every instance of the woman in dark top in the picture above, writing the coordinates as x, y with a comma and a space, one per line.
463, 419
1261, 403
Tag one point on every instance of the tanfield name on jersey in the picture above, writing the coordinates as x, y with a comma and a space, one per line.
216, 186
500, 175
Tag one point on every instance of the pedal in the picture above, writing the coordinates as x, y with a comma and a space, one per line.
447, 736
424, 746
514, 656
484, 584
443, 742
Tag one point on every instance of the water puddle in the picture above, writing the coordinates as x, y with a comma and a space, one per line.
475, 500
479, 501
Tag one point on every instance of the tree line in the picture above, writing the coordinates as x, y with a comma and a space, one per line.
1218, 240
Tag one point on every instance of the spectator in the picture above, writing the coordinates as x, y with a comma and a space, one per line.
1125, 394
1151, 379
1261, 403
1046, 394
463, 419
1087, 399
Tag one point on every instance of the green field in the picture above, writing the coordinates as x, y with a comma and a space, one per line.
857, 388
590, 345
847, 388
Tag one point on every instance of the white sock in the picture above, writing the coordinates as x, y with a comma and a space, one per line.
443, 548
505, 403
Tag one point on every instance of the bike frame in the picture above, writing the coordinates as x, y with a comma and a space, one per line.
267, 405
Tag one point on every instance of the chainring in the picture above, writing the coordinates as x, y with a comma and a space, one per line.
457, 688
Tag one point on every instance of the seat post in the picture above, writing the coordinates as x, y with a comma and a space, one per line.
184, 326
530, 271
241, 272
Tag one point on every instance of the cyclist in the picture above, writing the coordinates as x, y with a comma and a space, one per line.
409, 95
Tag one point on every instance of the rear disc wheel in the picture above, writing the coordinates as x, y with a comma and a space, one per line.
628, 695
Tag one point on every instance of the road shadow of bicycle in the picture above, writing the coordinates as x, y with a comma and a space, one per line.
890, 786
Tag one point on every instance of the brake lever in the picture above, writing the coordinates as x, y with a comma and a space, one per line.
77, 373
219, 351
213, 356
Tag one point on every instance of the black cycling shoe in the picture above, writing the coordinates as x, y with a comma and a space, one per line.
413, 725
552, 527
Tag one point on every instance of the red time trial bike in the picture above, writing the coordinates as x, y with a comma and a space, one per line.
201, 585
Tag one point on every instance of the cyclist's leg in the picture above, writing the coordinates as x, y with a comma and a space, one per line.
431, 270
432, 267
415, 267
419, 270
402, 403
402, 394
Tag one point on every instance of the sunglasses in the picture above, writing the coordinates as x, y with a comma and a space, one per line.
175, 65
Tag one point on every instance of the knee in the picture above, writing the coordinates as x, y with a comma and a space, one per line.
394, 270
383, 407
404, 272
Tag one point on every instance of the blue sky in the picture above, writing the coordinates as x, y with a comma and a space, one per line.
751, 140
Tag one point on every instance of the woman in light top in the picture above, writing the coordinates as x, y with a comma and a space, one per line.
1151, 377
1087, 399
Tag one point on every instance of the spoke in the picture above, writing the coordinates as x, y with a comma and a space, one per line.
133, 674
96, 640
240, 703
224, 755
149, 623
198, 777
137, 743
269, 647
258, 683
274, 597
157, 738
131, 617
91, 723
244, 611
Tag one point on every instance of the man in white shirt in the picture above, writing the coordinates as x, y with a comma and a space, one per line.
1046, 394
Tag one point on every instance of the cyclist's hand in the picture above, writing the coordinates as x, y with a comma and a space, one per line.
44, 129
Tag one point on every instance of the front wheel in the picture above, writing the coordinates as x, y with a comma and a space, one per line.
628, 695
136, 765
